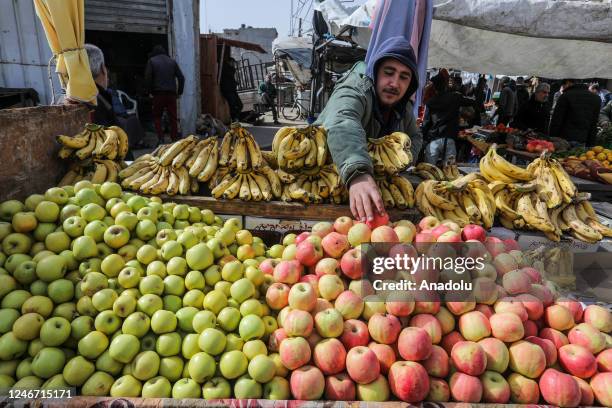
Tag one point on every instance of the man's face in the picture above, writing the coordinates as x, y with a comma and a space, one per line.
392, 81
542, 95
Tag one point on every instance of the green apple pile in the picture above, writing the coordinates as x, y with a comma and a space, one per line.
122, 295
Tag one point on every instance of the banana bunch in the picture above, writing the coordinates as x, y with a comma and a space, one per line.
521, 206
495, 168
553, 183
429, 171
166, 169
466, 200
95, 170
390, 154
256, 185
395, 191
450, 169
300, 148
239, 150
95, 141
314, 186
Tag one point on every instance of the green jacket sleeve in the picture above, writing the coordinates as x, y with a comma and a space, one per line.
346, 136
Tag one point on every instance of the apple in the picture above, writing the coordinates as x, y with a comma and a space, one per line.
495, 388
349, 304
473, 231
252, 327
408, 381
414, 344
439, 390
558, 338
309, 252
601, 384
512, 305
126, 386
334, 244
330, 287
294, 352
343, 224
586, 335
55, 331
598, 317
430, 324
474, 326
384, 328
288, 272
329, 356
27, 327
202, 367
438, 363
233, 364
51, 268
577, 360
362, 365
16, 243
307, 383
559, 317
339, 387
302, 296
322, 228
559, 389
216, 388
507, 326
354, 333
604, 361
145, 365
124, 348
351, 264
186, 388
527, 359
359, 233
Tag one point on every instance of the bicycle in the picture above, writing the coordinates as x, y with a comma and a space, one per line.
294, 111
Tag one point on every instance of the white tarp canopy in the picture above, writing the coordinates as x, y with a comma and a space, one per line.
555, 39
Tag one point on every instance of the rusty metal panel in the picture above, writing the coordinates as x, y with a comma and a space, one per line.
28, 150
140, 16
212, 100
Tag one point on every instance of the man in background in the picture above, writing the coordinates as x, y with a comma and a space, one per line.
575, 115
161, 77
534, 113
229, 87
507, 102
267, 94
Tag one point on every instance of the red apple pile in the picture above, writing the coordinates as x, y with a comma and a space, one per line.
517, 340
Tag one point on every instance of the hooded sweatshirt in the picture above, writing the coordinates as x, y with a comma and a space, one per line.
353, 113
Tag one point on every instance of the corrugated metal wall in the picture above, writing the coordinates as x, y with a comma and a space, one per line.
24, 51
136, 16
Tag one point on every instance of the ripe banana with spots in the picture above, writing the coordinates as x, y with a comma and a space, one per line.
390, 154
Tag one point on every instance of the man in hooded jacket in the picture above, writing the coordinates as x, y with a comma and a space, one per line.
371, 101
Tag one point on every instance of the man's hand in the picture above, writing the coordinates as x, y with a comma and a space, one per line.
364, 198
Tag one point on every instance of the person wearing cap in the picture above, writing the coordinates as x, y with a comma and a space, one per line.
507, 102
535, 114
371, 101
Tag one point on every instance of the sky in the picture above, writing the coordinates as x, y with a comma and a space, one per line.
215, 15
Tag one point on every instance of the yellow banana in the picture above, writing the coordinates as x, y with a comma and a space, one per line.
510, 170
311, 157
430, 168
211, 165
123, 141
184, 181
76, 142
435, 199
195, 152
144, 170
485, 207
282, 148
254, 189
563, 179
470, 207
173, 182
226, 147
571, 218
146, 186
64, 152
134, 167
162, 184
87, 151
245, 189
109, 146
397, 196
234, 188
174, 149
548, 187
254, 152
502, 205
137, 182
264, 185
525, 208
183, 156
274, 180
200, 161
280, 135
111, 170
320, 139
490, 172
405, 188
300, 151
241, 155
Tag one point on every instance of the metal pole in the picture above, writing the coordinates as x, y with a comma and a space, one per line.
300, 27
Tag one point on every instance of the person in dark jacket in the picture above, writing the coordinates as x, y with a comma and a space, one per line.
507, 102
441, 125
522, 94
535, 114
161, 76
229, 87
575, 116
370, 101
